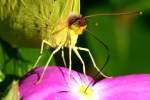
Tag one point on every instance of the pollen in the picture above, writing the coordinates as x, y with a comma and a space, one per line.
85, 92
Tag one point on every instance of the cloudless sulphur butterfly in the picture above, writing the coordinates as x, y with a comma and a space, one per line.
44, 23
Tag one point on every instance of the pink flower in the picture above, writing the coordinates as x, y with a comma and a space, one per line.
57, 85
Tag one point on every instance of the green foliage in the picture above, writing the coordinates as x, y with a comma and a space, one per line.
127, 37
13, 92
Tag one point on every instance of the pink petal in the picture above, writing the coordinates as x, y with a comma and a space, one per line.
55, 84
131, 87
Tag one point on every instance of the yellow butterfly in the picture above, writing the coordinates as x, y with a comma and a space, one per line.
65, 33
46, 23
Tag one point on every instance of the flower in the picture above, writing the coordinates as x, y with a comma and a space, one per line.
58, 85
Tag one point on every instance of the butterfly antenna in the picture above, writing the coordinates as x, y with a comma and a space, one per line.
104, 45
107, 57
101, 42
116, 14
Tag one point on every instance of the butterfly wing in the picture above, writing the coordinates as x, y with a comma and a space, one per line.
61, 31
25, 23
76, 7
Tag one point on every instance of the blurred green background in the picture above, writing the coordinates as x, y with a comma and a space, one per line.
128, 38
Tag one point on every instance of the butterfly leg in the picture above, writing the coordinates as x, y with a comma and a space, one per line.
93, 61
78, 55
63, 57
54, 52
70, 60
41, 52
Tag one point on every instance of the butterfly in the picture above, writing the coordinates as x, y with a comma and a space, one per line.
46, 24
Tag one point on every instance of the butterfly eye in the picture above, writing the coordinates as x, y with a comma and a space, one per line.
72, 20
82, 21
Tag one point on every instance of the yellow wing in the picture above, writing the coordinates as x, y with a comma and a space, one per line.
61, 34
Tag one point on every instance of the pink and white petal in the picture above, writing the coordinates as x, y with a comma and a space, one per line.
55, 80
62, 96
130, 87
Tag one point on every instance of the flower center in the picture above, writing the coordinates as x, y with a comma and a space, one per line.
87, 93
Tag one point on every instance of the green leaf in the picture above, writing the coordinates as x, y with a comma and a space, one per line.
13, 92
2, 76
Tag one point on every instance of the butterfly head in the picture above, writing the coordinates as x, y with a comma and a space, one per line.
77, 23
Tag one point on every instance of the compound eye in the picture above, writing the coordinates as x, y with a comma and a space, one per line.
72, 20
82, 22
77, 22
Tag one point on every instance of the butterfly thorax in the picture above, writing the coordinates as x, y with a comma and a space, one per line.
66, 33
